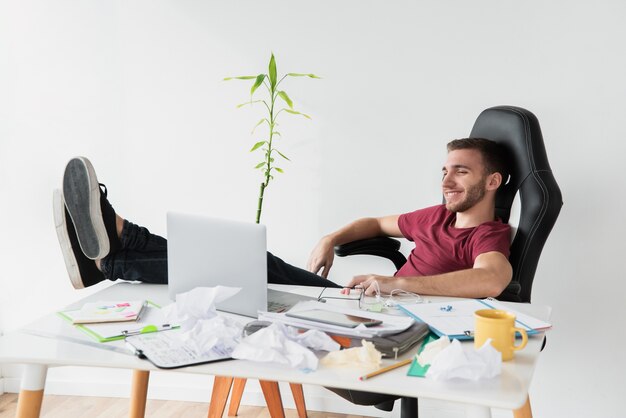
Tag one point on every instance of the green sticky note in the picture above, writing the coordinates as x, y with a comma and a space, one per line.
416, 369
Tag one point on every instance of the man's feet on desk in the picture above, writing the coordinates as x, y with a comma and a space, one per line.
83, 271
92, 216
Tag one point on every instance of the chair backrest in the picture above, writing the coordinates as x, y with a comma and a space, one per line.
518, 131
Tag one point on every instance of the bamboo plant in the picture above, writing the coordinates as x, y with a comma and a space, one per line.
271, 102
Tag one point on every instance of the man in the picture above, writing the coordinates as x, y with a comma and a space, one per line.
460, 248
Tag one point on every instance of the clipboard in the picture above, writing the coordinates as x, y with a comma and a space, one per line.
152, 320
456, 318
166, 351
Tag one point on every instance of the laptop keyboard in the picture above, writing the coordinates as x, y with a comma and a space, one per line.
277, 307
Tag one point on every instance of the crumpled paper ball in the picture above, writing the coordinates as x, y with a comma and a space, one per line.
365, 356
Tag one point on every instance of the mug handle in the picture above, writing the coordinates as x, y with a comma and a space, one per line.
524, 338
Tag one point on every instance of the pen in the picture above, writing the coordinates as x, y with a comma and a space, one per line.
146, 329
386, 369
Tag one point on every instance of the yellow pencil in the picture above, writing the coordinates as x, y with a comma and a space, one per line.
386, 369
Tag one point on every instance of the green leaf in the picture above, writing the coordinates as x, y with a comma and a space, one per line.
258, 145
258, 123
247, 103
257, 83
295, 112
259, 165
282, 155
278, 133
283, 95
243, 77
272, 72
280, 170
303, 75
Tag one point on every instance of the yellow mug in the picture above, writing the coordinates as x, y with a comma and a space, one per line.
500, 327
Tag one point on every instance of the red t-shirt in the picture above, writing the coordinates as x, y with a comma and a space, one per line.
442, 248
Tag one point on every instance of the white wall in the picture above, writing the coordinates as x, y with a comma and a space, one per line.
136, 86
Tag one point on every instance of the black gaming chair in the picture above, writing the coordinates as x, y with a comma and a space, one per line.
540, 197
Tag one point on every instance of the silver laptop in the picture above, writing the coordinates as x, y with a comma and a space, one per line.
203, 251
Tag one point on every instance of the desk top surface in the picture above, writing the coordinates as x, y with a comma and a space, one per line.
508, 391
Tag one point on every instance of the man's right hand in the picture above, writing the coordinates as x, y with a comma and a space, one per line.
322, 257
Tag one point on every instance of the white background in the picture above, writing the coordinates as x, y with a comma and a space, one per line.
137, 87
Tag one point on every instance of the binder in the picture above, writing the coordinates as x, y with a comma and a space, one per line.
389, 345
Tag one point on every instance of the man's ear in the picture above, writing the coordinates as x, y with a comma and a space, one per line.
494, 180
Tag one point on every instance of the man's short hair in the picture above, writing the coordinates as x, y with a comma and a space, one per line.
493, 154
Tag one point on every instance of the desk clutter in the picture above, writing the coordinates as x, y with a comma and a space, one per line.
191, 331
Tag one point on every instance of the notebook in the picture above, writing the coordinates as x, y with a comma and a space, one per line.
205, 251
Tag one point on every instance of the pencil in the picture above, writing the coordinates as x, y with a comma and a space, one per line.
386, 369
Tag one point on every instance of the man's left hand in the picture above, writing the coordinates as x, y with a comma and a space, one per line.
366, 281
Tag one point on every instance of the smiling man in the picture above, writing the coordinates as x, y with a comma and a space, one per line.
461, 249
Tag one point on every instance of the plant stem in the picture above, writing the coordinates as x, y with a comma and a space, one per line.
260, 203
268, 158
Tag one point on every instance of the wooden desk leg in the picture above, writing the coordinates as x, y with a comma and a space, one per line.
31, 391
139, 393
524, 411
239, 385
219, 396
298, 397
271, 392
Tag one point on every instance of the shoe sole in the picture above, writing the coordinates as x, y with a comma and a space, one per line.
81, 193
60, 224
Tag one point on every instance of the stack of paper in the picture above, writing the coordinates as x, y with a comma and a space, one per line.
391, 324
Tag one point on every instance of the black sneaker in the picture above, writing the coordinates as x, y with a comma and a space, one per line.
92, 215
82, 271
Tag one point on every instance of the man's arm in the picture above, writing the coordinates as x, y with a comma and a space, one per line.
323, 254
489, 276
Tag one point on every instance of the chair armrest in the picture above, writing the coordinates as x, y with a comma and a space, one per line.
381, 246
511, 293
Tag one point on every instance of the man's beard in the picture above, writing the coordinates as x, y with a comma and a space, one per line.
473, 195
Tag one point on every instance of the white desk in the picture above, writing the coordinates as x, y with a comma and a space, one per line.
508, 391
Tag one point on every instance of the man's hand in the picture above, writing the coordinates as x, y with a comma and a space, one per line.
385, 284
322, 257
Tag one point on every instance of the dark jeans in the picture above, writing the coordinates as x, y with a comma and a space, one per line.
143, 257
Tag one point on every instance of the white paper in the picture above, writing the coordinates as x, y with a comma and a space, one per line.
197, 304
465, 362
281, 344
202, 328
432, 350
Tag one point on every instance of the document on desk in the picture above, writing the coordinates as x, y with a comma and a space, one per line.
166, 351
152, 320
391, 324
456, 318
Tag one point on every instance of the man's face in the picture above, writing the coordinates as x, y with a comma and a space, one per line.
464, 180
